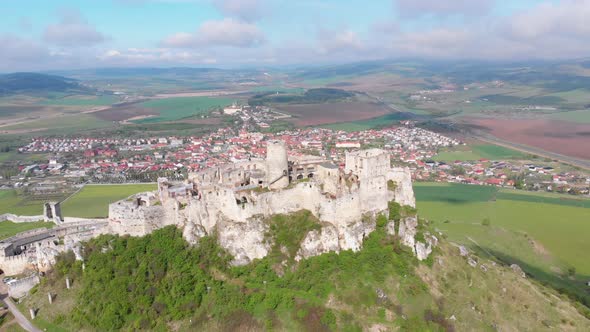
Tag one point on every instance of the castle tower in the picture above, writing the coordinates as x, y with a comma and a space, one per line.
277, 167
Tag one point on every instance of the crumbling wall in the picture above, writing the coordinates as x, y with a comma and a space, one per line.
21, 287
13, 265
126, 217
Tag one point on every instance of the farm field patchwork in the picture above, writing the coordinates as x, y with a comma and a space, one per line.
172, 109
564, 137
543, 232
93, 200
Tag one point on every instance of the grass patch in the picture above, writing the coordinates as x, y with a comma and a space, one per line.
477, 152
9, 228
93, 200
289, 230
12, 201
172, 109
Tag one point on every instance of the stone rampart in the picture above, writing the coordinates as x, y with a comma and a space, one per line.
18, 219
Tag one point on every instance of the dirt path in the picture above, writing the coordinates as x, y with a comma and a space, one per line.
20, 318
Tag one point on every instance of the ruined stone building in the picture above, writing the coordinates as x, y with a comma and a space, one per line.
233, 201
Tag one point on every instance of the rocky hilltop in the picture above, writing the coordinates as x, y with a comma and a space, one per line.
234, 203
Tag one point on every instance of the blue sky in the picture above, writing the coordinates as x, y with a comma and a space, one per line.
59, 34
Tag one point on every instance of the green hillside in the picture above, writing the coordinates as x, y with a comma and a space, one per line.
159, 282
544, 233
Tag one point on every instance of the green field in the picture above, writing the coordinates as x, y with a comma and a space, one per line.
580, 116
62, 124
481, 151
382, 121
82, 101
9, 228
547, 234
172, 109
13, 202
93, 200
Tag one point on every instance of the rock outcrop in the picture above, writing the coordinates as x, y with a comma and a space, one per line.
244, 241
318, 242
407, 231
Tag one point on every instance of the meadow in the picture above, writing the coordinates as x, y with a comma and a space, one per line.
93, 200
547, 234
82, 101
9, 228
479, 151
381, 121
14, 202
172, 109
60, 124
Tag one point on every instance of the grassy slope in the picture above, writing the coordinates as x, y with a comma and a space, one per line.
544, 233
172, 109
560, 227
329, 292
93, 200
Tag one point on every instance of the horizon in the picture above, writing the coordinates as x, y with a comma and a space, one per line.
70, 34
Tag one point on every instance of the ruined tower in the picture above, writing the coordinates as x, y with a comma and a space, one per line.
277, 171
52, 212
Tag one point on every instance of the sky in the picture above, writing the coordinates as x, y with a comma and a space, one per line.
69, 34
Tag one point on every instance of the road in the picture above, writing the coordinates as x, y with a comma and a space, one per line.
20, 318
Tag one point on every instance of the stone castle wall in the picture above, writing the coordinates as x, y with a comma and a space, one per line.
22, 286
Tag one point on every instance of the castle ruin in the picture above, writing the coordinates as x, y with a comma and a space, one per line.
233, 201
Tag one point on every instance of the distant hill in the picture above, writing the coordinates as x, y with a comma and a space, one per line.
97, 73
34, 83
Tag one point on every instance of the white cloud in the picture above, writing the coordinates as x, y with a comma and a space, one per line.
225, 32
413, 8
15, 49
72, 30
338, 41
157, 56
247, 10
